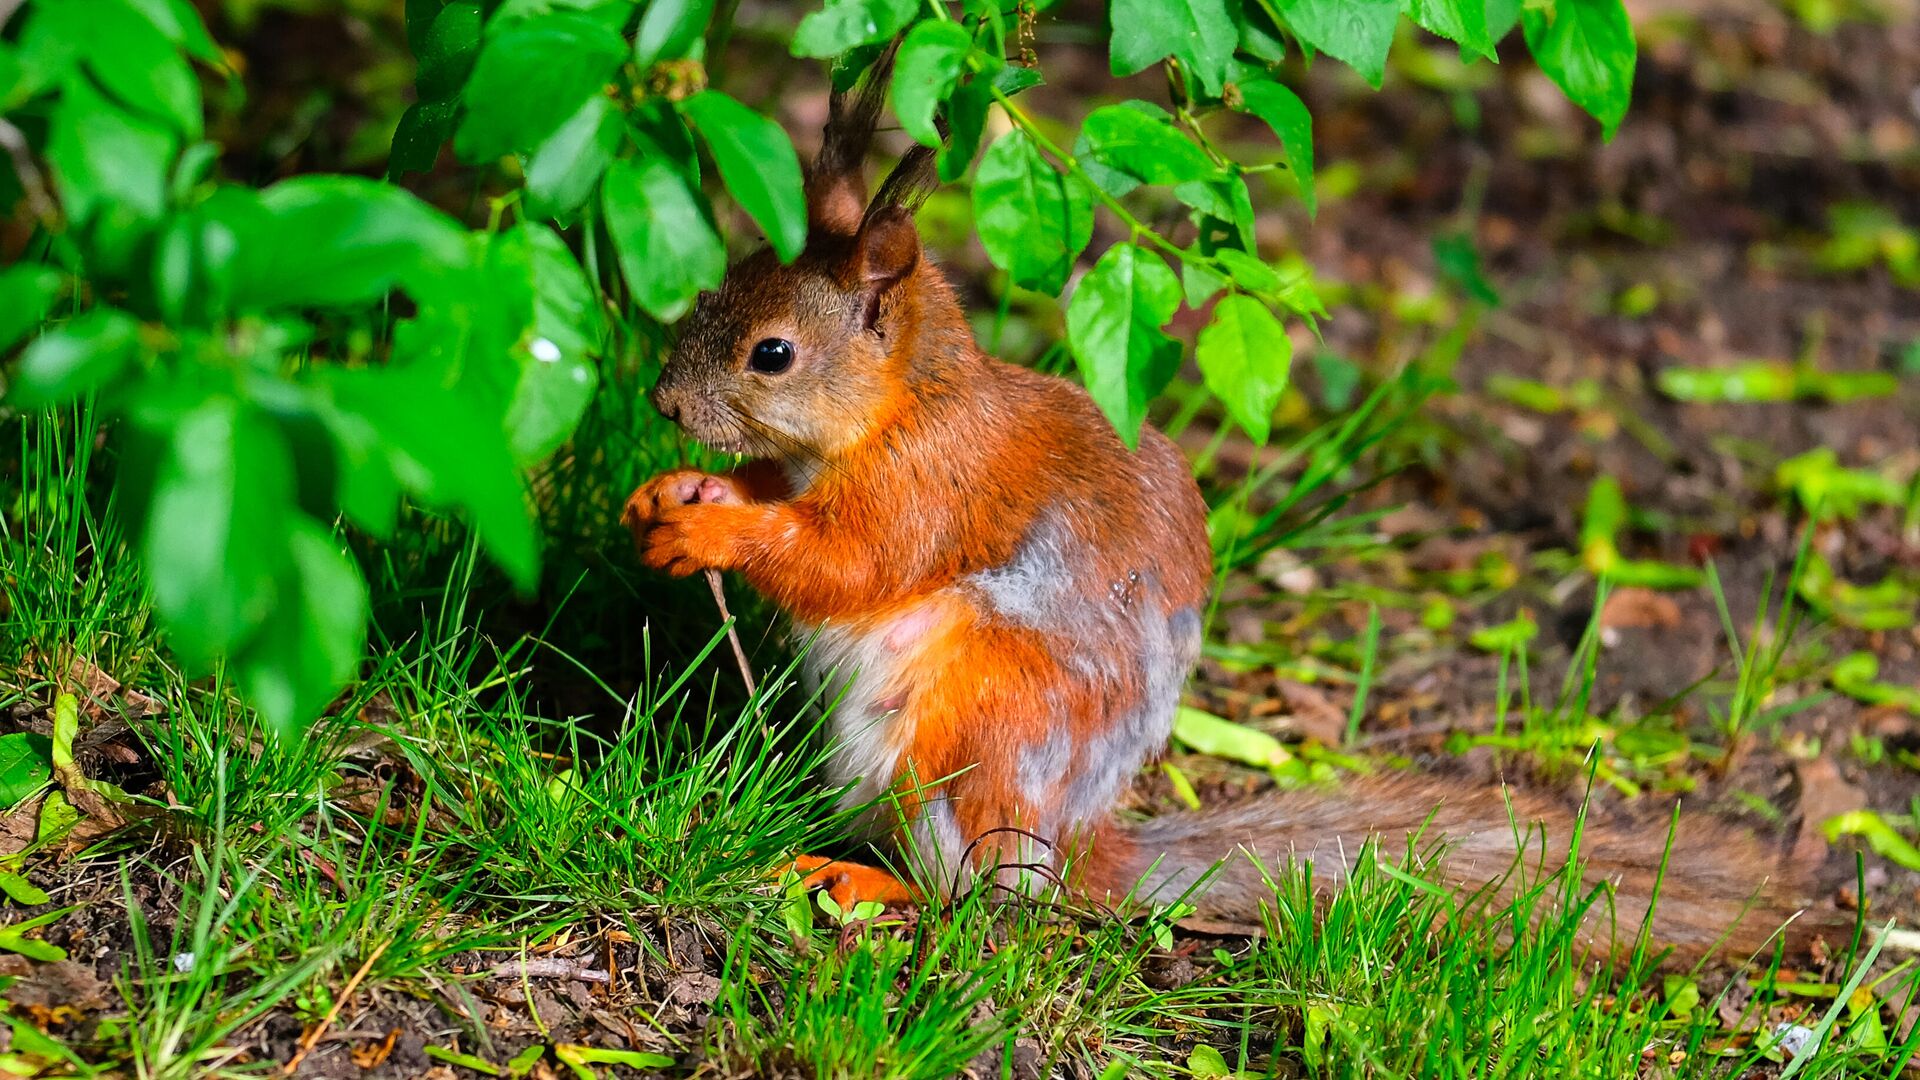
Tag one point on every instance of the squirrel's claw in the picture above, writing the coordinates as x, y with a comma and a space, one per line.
658, 516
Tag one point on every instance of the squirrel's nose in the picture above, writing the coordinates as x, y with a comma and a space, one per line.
668, 402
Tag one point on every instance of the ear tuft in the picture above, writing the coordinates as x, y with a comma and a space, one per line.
836, 180
836, 203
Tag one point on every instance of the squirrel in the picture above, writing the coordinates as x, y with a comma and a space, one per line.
1009, 601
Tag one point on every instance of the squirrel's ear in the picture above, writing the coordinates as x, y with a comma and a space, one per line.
885, 252
888, 245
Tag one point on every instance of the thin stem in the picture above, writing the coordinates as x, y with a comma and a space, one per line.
733, 635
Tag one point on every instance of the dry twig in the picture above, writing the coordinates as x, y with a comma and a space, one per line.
733, 633
550, 967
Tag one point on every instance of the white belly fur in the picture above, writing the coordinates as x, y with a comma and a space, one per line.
857, 663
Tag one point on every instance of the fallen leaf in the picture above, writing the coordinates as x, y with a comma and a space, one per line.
1824, 795
1311, 713
1636, 608
97, 689
18, 829
61, 983
374, 1054
1209, 734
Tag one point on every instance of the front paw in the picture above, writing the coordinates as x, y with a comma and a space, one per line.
687, 539
680, 487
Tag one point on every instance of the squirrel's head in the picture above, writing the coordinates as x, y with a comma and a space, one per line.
803, 360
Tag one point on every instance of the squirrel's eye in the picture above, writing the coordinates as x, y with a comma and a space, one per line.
771, 356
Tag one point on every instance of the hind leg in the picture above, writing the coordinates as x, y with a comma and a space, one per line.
990, 738
851, 883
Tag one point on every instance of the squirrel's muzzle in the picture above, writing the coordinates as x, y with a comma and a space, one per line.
668, 398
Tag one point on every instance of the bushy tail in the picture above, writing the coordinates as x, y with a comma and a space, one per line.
1720, 891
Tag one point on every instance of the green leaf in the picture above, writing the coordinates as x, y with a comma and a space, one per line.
667, 247
1224, 207
1033, 220
418, 16
658, 131
57, 819
1358, 32
423, 129
757, 161
69, 361
966, 122
1259, 37
844, 24
1013, 78
1113, 327
66, 729
215, 540
1244, 354
122, 49
614, 15
530, 78
365, 487
314, 641
340, 240
1510, 636
1249, 272
561, 174
1200, 33
1222, 738
1882, 837
31, 948
1463, 22
566, 305
1140, 142
198, 255
576, 1054
1208, 1062
928, 66
180, 24
475, 322
1459, 262
21, 891
1287, 115
557, 376
466, 1061
1502, 17
106, 162
522, 1063
669, 30
27, 293
445, 446
26, 764
1586, 47
448, 50
1199, 282
136, 63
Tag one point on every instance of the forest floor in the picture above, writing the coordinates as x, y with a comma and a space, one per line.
538, 840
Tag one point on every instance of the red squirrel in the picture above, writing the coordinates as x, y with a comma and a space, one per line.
1010, 600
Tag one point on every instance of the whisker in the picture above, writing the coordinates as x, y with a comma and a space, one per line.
790, 445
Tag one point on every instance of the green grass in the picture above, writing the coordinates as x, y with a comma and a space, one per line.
454, 819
